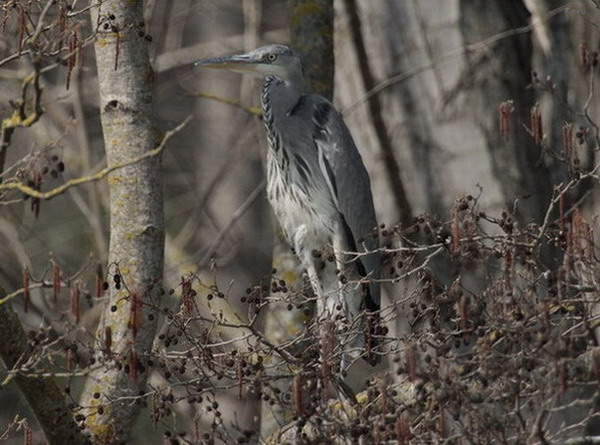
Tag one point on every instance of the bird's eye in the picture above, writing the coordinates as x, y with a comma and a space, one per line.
271, 57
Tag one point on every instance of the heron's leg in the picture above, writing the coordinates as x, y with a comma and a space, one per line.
345, 299
308, 262
326, 325
346, 293
341, 260
325, 287
313, 277
351, 296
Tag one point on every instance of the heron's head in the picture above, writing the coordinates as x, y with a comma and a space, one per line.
276, 60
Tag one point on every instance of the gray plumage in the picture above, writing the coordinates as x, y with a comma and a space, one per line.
317, 183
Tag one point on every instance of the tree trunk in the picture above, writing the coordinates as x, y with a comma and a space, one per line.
136, 222
311, 34
517, 160
390, 165
45, 398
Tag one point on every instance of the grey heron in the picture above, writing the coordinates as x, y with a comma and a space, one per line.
318, 187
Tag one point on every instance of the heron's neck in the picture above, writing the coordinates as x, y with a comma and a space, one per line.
279, 96
278, 100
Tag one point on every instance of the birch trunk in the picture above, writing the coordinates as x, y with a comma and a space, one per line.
136, 222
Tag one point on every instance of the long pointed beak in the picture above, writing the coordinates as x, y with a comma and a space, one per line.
239, 63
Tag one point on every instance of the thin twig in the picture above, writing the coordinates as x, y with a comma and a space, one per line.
255, 111
98, 175
234, 218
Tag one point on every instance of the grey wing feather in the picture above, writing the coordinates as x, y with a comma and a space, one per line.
349, 182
